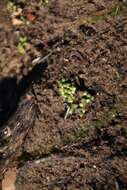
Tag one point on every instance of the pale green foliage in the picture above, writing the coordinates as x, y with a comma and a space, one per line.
11, 5
44, 1
76, 100
23, 41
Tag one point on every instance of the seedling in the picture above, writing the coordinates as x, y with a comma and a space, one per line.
117, 10
11, 5
44, 1
76, 101
24, 20
23, 41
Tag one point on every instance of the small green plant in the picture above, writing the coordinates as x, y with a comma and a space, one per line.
117, 10
44, 1
23, 41
67, 90
75, 100
11, 5
24, 20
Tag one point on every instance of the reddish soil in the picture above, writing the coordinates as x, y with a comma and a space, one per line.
85, 43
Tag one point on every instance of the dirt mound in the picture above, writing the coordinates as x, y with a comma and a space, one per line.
71, 56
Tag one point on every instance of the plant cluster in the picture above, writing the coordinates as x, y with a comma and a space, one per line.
11, 5
24, 20
23, 41
44, 1
76, 101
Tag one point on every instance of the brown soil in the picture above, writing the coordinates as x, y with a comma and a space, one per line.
84, 42
9, 181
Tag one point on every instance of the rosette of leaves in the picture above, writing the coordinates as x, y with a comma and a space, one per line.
75, 100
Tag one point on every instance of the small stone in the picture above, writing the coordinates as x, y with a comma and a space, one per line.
94, 166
